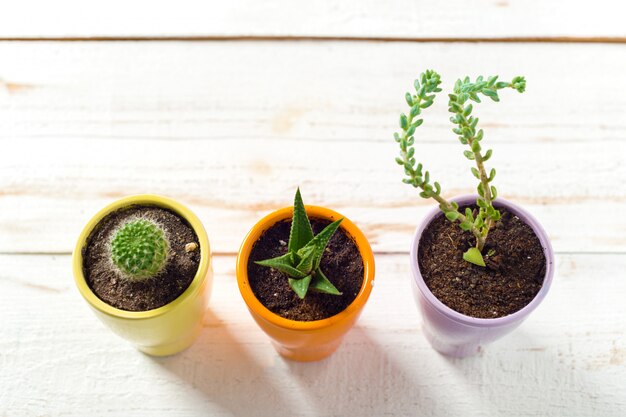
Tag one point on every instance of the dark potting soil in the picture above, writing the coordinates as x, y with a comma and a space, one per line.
341, 263
512, 277
154, 292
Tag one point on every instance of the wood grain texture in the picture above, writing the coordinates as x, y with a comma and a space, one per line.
202, 122
484, 19
568, 358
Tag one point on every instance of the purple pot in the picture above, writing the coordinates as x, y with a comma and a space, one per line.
452, 333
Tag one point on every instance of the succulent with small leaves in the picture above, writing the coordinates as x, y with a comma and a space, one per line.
139, 249
464, 91
302, 261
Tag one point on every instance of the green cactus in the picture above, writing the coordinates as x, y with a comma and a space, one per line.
139, 249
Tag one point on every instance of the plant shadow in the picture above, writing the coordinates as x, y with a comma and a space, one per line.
511, 368
248, 378
362, 379
221, 367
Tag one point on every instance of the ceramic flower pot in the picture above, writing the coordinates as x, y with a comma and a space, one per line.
452, 333
165, 330
305, 340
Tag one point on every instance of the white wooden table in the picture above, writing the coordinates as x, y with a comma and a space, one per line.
228, 107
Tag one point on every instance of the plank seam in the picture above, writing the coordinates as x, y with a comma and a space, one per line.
264, 38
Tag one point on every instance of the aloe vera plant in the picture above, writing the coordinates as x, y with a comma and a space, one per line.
139, 249
301, 263
465, 128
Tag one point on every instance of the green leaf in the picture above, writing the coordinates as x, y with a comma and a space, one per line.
475, 172
300, 286
474, 256
474, 97
321, 240
494, 192
321, 284
301, 232
284, 264
479, 222
487, 155
417, 122
409, 99
307, 257
490, 93
465, 225
492, 174
469, 155
452, 215
519, 84
404, 123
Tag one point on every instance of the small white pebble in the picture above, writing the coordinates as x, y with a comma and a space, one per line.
282, 243
528, 257
275, 294
190, 247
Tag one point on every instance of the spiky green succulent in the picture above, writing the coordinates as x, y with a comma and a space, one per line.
302, 261
139, 249
464, 91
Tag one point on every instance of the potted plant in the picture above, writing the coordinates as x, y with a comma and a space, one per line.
143, 265
480, 266
305, 273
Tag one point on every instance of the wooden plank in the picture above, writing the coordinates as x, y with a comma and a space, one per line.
197, 122
279, 18
298, 90
568, 358
232, 184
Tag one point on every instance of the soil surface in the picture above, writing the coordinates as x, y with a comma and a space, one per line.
341, 263
110, 286
514, 274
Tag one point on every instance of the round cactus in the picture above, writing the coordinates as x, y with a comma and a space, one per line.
139, 249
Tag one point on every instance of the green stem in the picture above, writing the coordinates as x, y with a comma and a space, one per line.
481, 238
443, 203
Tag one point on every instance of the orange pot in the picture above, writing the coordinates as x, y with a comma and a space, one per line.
305, 340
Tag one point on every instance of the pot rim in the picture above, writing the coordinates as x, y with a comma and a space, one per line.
142, 199
313, 211
474, 321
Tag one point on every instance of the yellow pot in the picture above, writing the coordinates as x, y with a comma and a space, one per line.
305, 340
168, 329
